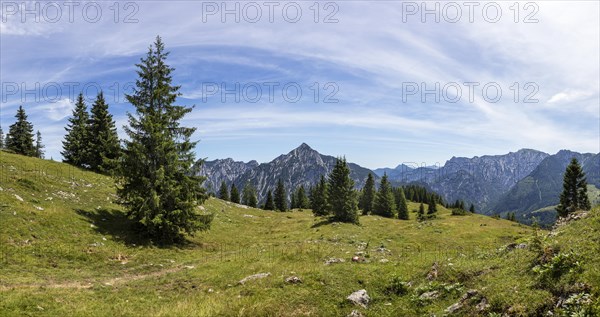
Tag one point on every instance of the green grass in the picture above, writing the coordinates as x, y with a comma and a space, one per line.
78, 257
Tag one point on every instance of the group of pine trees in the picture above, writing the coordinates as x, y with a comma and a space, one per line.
511, 216
91, 140
460, 204
154, 170
387, 201
334, 197
248, 196
19, 138
300, 199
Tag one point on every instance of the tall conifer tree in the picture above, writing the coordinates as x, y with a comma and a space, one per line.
280, 199
301, 199
319, 198
269, 205
385, 204
20, 135
368, 195
401, 205
157, 183
76, 142
39, 146
341, 194
1, 138
574, 195
104, 148
224, 192
234, 194
249, 196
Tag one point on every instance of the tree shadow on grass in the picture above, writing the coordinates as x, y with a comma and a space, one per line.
114, 223
322, 222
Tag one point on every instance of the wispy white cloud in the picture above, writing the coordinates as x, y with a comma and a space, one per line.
369, 53
55, 111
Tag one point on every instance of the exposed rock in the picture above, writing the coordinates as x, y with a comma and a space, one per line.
513, 246
38, 208
458, 305
483, 305
18, 197
430, 295
304, 165
360, 298
433, 272
454, 307
355, 313
253, 277
571, 217
248, 216
384, 261
470, 293
293, 280
334, 260
382, 249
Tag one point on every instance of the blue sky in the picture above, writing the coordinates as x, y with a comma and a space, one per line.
366, 62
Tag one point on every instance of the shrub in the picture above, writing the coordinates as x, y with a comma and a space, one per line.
396, 286
458, 212
577, 305
559, 265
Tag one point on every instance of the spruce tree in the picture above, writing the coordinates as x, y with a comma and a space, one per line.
269, 205
156, 182
472, 208
402, 206
456, 204
224, 192
104, 148
319, 198
368, 196
574, 195
249, 196
301, 199
234, 194
20, 135
39, 147
432, 205
1, 139
341, 195
293, 203
280, 199
76, 142
421, 214
385, 204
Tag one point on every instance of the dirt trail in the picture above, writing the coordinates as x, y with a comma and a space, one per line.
85, 285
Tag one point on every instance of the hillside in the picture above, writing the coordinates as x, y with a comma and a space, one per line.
67, 250
542, 187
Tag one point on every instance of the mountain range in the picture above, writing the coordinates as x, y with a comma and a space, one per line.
302, 166
520, 182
